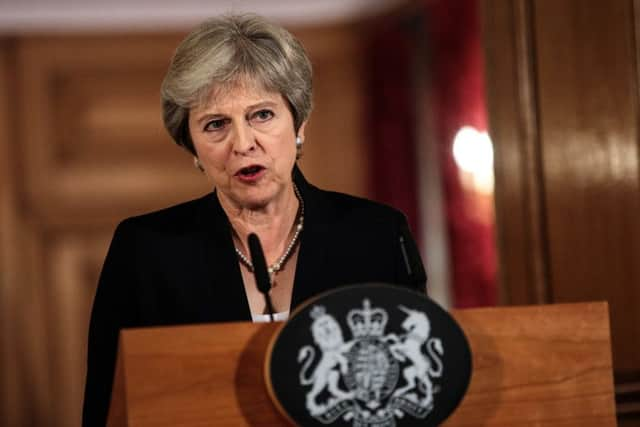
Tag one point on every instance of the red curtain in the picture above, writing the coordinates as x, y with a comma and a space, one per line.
457, 72
446, 35
391, 119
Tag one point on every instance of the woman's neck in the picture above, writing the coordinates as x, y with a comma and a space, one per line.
273, 223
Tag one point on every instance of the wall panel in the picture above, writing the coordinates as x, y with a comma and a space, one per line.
93, 149
10, 387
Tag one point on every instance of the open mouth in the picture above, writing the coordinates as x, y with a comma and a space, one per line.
250, 171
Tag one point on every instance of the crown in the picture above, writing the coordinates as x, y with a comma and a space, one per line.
367, 322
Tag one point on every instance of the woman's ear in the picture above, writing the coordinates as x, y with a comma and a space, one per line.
197, 164
300, 133
300, 140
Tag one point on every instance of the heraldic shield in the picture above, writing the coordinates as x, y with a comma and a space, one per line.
369, 356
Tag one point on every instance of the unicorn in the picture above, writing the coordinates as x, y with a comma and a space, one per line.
418, 374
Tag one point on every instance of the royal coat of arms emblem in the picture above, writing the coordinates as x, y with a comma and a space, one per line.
387, 376
369, 356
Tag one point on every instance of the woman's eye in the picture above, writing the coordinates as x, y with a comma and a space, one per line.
216, 124
263, 115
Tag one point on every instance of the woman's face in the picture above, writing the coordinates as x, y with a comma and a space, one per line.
245, 140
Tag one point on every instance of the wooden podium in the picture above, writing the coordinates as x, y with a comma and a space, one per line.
532, 366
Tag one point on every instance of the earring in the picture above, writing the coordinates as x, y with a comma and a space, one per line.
197, 164
299, 142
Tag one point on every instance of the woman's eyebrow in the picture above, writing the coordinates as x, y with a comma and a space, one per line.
262, 104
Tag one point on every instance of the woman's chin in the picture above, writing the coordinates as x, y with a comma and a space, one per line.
255, 198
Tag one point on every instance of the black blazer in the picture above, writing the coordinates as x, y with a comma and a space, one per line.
178, 266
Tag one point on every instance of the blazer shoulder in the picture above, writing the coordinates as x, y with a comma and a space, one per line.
352, 206
177, 218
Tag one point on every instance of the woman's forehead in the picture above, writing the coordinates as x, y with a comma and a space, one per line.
241, 92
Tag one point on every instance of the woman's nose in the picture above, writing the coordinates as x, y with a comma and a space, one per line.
244, 140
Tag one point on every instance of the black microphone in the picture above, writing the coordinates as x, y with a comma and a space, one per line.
405, 257
260, 271
416, 276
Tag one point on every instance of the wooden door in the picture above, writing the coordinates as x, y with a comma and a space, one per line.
562, 79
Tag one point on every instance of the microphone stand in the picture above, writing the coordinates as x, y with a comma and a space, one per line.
260, 271
267, 300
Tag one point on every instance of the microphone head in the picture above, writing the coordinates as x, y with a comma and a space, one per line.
259, 264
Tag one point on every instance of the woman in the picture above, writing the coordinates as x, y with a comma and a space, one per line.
237, 95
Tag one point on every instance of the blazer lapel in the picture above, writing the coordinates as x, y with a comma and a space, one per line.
228, 300
310, 277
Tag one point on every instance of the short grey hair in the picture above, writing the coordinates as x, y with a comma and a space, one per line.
231, 49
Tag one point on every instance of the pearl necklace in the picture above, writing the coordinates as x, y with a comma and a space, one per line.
274, 268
